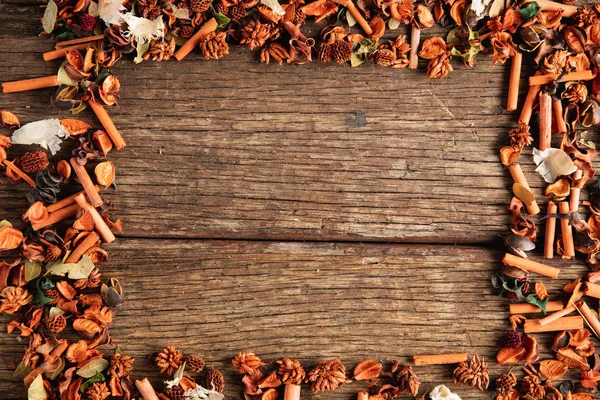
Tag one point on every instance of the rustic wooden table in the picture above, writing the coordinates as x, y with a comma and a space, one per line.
309, 211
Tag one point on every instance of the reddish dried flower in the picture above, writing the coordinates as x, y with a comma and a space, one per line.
513, 340
169, 360
327, 375
87, 22
13, 299
291, 371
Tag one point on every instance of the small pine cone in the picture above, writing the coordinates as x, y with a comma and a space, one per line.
506, 383
342, 51
513, 340
247, 363
324, 52
98, 391
237, 12
186, 31
385, 57
299, 17
214, 45
194, 363
169, 360
56, 323
290, 371
255, 34
35, 161
215, 380
175, 393
200, 6
160, 50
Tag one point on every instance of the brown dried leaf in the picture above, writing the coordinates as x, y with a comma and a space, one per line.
509, 355
75, 126
432, 48
532, 350
553, 369
540, 291
105, 173
509, 155
366, 370
10, 238
572, 359
84, 223
10, 120
558, 190
87, 326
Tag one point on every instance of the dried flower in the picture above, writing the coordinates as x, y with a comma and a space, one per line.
13, 299
194, 363
142, 30
160, 50
439, 67
98, 391
531, 384
290, 371
247, 363
120, 365
327, 375
169, 360
408, 382
214, 45
575, 92
255, 34
215, 380
275, 51
472, 372
56, 323
520, 137
503, 46
554, 63
513, 340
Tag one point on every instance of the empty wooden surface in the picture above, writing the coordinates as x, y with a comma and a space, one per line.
294, 166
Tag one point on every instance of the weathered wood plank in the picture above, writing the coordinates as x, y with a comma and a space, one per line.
237, 149
306, 300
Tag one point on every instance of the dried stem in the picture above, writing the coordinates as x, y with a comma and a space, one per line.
108, 125
571, 76
56, 216
146, 389
589, 316
566, 232
545, 121
415, 40
292, 392
561, 324
209, 26
438, 359
67, 201
101, 226
526, 308
90, 241
357, 15
361, 396
550, 231
532, 95
86, 182
513, 85
559, 314
547, 5
67, 43
575, 192
30, 84
531, 266
60, 53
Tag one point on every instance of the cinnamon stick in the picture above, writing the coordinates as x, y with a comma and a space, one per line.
532, 95
18, 171
90, 241
527, 308
518, 177
590, 317
67, 201
566, 232
56, 216
30, 84
67, 43
547, 5
571, 76
531, 266
545, 121
292, 392
513, 84
60, 53
54, 354
86, 182
559, 314
108, 125
209, 26
361, 396
357, 15
575, 192
439, 359
415, 41
557, 110
550, 231
146, 389
591, 289
99, 223
561, 324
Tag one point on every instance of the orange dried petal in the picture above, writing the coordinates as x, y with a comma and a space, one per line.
36, 213
105, 173
553, 369
75, 126
87, 326
378, 26
509, 355
433, 48
10, 120
84, 223
366, 370
10, 238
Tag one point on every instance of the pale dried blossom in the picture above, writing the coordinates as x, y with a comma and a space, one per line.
553, 163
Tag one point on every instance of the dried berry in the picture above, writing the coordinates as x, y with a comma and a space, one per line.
513, 340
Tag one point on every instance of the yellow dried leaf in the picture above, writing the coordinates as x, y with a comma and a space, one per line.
523, 193
75, 126
10, 120
553, 369
105, 173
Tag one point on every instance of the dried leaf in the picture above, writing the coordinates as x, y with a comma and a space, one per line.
36, 390
90, 369
553, 163
523, 193
509, 355
80, 270
33, 269
368, 369
553, 369
87, 326
572, 359
10, 120
10, 238
105, 173
50, 15
75, 126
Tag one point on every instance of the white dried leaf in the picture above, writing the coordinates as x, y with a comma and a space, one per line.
93, 9
274, 5
36, 390
80, 270
393, 24
142, 29
47, 133
111, 11
480, 7
553, 163
201, 393
350, 18
50, 16
180, 13
441, 392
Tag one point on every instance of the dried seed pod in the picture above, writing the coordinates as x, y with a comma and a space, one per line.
194, 363
517, 244
112, 292
35, 161
56, 323
215, 380
63, 168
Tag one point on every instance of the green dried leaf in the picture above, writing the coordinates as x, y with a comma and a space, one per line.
80, 270
98, 377
141, 49
222, 19
362, 50
21, 371
93, 367
50, 16
33, 269
533, 299
530, 11
42, 284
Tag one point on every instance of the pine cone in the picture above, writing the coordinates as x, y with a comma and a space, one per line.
327, 375
186, 31
169, 360
35, 161
194, 363
325, 52
215, 380
237, 12
56, 323
160, 50
505, 384
98, 391
341, 51
290, 371
120, 365
175, 392
385, 57
408, 382
247, 363
200, 6
214, 45
513, 340
275, 51
473, 373
255, 34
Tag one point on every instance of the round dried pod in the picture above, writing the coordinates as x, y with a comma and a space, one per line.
63, 168
35, 161
215, 380
518, 244
513, 340
299, 17
200, 6
186, 31
175, 392
169, 360
472, 372
385, 57
237, 12
194, 363
56, 323
341, 51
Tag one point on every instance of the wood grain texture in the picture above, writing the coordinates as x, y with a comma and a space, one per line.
237, 149
312, 301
